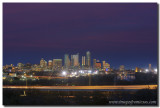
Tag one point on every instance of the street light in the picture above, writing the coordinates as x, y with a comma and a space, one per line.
155, 70
64, 73
146, 70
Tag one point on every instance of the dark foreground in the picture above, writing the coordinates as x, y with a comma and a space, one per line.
47, 97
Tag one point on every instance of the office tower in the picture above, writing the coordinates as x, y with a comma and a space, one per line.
121, 68
50, 64
98, 65
75, 60
104, 64
42, 63
150, 69
83, 60
72, 60
66, 61
88, 59
57, 64
94, 63
45, 63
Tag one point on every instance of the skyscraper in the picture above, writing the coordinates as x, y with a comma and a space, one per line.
88, 58
104, 64
66, 61
42, 63
50, 64
83, 60
150, 69
75, 59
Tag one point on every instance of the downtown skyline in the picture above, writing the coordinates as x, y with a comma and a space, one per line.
125, 35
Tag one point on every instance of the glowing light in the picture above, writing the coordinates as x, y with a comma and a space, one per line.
146, 70
64, 73
89, 71
155, 70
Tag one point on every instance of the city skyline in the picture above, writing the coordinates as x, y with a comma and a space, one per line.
87, 54
76, 60
124, 35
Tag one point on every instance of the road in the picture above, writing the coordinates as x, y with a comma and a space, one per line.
117, 87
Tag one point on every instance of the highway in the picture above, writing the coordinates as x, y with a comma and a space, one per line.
111, 87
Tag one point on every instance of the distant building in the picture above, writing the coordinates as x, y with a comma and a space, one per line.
121, 68
106, 66
50, 64
137, 69
88, 59
20, 65
98, 65
43, 63
66, 61
75, 60
57, 64
83, 60
150, 68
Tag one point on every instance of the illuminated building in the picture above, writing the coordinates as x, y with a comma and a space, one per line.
75, 59
66, 61
106, 66
42, 63
57, 64
83, 60
20, 65
88, 58
50, 64
98, 65
36, 67
94, 63
150, 69
137, 69
121, 68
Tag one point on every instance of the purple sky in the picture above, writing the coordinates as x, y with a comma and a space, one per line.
121, 34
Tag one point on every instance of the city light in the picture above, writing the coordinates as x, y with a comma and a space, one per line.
146, 70
155, 70
89, 71
64, 73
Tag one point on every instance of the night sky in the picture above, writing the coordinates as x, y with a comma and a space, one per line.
121, 34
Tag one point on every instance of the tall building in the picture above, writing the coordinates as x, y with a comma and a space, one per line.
42, 63
94, 63
75, 60
50, 64
104, 64
83, 60
66, 61
150, 69
57, 64
88, 58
